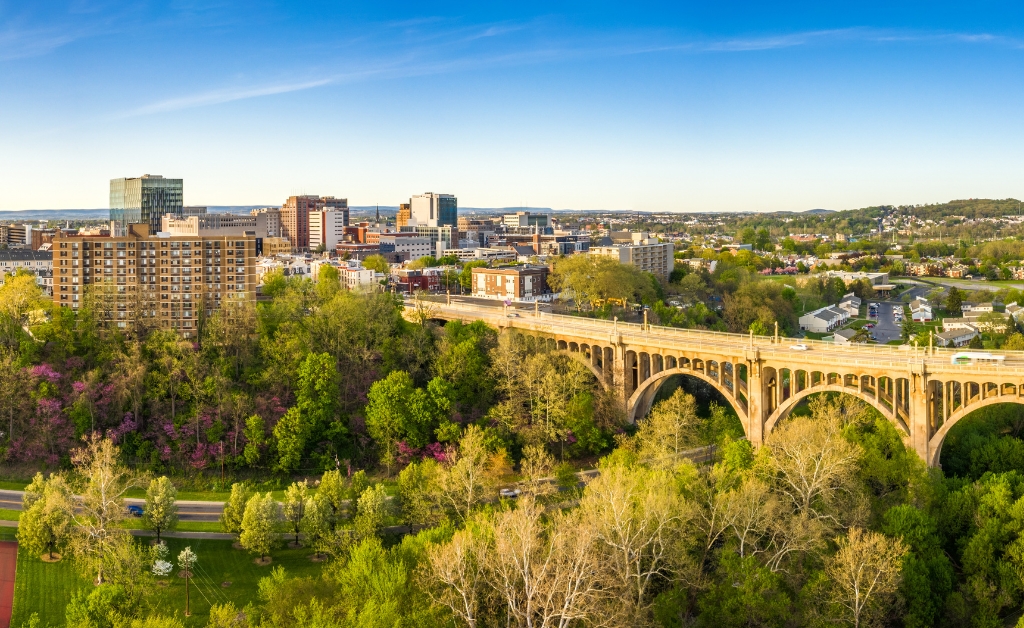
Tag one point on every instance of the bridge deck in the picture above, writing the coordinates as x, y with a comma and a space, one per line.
936, 360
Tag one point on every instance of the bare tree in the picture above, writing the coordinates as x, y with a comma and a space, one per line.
455, 574
547, 575
812, 465
464, 483
865, 573
103, 484
638, 518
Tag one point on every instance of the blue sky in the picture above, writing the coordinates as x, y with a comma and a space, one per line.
684, 106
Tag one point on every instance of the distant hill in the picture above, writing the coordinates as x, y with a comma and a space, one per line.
819, 212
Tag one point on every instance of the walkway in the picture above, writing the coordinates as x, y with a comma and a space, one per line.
8, 567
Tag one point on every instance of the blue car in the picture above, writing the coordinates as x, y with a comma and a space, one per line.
135, 511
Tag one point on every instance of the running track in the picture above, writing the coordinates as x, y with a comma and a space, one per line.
8, 566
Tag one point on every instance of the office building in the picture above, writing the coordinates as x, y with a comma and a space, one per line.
273, 215
143, 200
404, 214
327, 228
410, 245
193, 210
141, 280
434, 210
440, 237
646, 253
295, 216
525, 219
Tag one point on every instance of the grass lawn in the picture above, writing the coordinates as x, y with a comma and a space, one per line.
47, 588
810, 335
183, 526
6, 514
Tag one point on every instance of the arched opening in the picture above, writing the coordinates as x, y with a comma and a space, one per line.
800, 400
988, 437
722, 413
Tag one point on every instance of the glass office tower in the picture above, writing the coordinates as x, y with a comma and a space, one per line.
144, 200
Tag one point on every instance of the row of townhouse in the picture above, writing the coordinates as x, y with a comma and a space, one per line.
936, 268
824, 319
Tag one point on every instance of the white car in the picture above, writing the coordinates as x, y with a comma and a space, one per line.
800, 347
509, 493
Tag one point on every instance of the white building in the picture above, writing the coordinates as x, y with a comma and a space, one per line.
824, 320
956, 337
434, 210
412, 246
355, 277
326, 228
850, 303
921, 310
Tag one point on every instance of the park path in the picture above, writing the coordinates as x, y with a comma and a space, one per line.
8, 567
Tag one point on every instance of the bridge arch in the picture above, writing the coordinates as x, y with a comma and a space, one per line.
643, 397
939, 437
786, 407
582, 359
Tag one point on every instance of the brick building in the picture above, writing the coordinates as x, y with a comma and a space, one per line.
512, 283
147, 280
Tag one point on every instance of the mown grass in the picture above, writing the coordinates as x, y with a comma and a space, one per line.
47, 588
6, 514
183, 526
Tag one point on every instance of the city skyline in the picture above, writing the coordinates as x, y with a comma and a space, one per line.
729, 108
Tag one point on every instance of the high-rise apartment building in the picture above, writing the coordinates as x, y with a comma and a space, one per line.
646, 253
141, 280
404, 214
144, 200
295, 216
435, 210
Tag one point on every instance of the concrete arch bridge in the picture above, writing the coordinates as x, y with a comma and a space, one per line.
763, 377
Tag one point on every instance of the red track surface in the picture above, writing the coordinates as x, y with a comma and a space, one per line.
8, 566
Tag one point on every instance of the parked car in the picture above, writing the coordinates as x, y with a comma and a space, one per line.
510, 493
135, 511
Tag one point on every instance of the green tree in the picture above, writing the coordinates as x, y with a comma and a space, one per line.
333, 495
314, 412
377, 263
234, 508
295, 497
316, 525
397, 411
260, 523
45, 525
466, 275
161, 510
372, 511
954, 300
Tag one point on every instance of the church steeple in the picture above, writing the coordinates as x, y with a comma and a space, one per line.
378, 213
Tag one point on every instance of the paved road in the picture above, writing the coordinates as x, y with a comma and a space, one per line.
187, 510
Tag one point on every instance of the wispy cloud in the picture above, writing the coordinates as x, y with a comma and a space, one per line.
219, 96
460, 49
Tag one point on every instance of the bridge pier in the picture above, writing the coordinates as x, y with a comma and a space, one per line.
756, 414
919, 411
